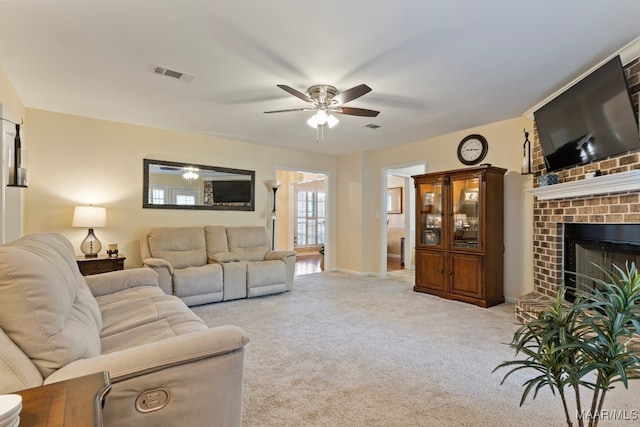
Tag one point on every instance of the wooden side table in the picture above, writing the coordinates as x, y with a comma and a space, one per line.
100, 264
73, 403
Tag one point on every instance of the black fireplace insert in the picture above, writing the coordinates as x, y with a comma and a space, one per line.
602, 244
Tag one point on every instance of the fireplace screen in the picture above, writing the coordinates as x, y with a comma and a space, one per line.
600, 244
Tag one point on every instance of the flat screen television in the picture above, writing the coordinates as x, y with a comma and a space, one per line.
591, 120
231, 191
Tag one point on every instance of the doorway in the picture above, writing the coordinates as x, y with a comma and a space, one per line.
304, 226
398, 218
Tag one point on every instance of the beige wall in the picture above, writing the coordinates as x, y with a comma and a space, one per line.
9, 99
351, 188
78, 160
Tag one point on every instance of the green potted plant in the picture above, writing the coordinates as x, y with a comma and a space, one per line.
583, 348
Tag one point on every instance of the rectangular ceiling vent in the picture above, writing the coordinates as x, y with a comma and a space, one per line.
171, 73
372, 126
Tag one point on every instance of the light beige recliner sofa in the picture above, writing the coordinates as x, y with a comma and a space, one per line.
215, 263
56, 324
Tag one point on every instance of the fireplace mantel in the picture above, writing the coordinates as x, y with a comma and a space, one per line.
614, 183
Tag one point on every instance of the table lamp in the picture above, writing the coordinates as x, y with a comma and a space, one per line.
90, 217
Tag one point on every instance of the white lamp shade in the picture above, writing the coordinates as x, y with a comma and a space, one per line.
313, 122
273, 183
332, 120
89, 217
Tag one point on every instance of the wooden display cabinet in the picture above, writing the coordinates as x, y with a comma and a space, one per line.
459, 240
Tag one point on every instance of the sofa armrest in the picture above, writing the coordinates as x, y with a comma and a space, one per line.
164, 270
289, 259
224, 257
282, 255
115, 281
152, 357
157, 263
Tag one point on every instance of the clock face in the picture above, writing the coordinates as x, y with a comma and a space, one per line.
472, 149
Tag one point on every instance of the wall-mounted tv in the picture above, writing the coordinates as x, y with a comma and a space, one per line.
231, 191
591, 120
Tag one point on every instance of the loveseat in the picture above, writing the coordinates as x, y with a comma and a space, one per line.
215, 263
56, 324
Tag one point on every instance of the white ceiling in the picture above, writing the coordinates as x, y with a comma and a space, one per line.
435, 66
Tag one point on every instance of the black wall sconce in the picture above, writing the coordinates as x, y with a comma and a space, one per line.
17, 161
526, 155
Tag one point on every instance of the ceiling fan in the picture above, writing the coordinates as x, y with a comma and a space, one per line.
326, 100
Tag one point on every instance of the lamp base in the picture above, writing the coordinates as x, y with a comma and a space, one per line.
90, 246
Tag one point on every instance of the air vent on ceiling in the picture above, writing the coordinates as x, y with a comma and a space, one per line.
171, 73
372, 126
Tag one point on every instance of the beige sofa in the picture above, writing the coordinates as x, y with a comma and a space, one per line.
56, 324
215, 263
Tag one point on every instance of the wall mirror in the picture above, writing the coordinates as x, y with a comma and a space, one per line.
173, 185
394, 200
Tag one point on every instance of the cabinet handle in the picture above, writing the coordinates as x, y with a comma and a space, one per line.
441, 270
450, 273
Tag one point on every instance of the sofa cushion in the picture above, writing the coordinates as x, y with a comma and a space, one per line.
16, 369
46, 306
142, 315
197, 280
249, 243
181, 246
216, 239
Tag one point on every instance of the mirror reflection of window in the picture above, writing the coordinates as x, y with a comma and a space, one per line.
157, 195
185, 197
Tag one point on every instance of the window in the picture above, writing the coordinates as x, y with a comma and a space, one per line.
157, 195
185, 197
310, 218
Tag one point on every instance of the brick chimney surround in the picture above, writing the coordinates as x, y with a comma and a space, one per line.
612, 198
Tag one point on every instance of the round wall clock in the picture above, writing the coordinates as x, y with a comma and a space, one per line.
472, 149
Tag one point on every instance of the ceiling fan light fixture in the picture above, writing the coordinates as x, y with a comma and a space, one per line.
190, 174
320, 118
313, 122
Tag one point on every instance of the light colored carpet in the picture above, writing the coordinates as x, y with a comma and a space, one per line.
343, 350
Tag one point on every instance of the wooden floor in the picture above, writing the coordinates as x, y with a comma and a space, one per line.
393, 264
306, 264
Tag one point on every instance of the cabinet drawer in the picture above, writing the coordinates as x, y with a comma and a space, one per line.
100, 265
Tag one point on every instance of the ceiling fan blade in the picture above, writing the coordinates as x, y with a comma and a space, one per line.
363, 112
291, 109
296, 93
351, 94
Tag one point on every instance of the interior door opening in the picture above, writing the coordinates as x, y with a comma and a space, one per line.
303, 227
398, 230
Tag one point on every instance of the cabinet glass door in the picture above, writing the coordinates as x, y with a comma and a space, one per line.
465, 199
430, 203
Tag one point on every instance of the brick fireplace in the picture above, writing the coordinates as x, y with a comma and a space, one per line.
551, 215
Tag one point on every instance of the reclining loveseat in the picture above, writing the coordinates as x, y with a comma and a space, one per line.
56, 324
214, 263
